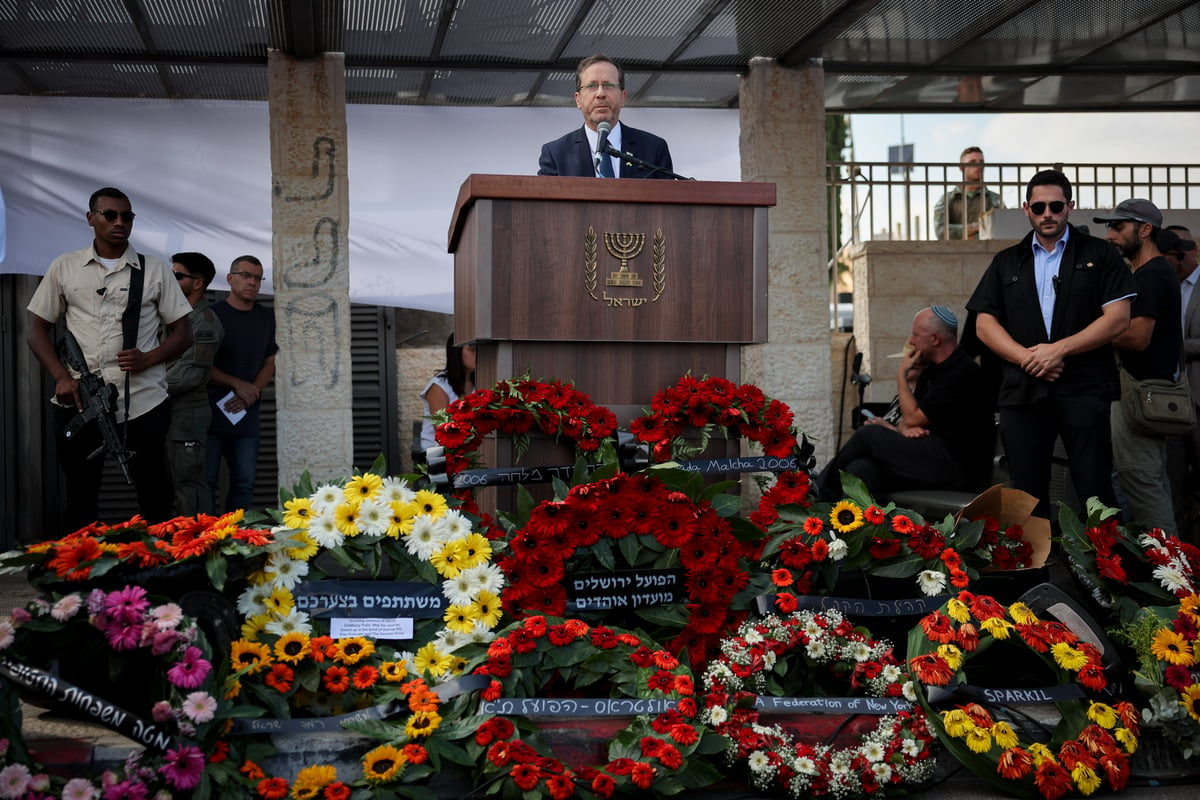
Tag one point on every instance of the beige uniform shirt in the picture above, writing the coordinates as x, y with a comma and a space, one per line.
92, 299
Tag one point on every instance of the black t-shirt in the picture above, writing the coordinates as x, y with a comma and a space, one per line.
953, 396
1157, 298
249, 340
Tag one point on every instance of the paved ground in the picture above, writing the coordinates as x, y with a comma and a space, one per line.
958, 784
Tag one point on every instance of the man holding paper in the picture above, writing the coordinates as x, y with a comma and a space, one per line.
243, 367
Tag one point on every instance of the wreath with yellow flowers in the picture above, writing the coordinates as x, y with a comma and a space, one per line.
1090, 746
545, 661
779, 653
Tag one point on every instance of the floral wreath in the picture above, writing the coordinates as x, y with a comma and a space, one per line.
753, 661
654, 753
807, 550
708, 404
1126, 571
1166, 651
517, 407
1089, 747
651, 524
127, 624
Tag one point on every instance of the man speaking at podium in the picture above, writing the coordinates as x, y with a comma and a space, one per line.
600, 96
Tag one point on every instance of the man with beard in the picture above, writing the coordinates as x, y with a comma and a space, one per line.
1149, 349
1049, 307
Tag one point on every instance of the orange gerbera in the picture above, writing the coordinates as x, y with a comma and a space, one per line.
932, 669
365, 677
938, 627
336, 679
1014, 763
272, 788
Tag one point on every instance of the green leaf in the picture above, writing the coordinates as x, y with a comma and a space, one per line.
967, 535
525, 502
379, 467
672, 616
217, 568
602, 552
560, 486
856, 491
899, 567
630, 547
696, 774
718, 489
376, 729
726, 505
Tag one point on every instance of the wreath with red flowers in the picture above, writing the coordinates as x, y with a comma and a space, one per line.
643, 520
517, 407
541, 656
781, 653
1088, 748
703, 405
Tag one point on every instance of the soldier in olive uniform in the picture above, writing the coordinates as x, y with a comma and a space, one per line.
187, 384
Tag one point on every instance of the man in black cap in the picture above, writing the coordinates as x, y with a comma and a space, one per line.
945, 430
1148, 349
1048, 307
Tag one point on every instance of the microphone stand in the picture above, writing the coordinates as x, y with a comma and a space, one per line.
631, 158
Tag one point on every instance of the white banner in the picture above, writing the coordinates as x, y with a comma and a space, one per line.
198, 174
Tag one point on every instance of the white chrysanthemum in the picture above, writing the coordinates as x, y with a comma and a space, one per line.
753, 636
860, 652
909, 691
910, 748
874, 751
840, 764
396, 490
487, 578
327, 497
717, 715
882, 770
457, 526
424, 539
253, 601
838, 549
450, 641
769, 659
891, 673
323, 530
811, 629
294, 622
460, 590
816, 649
1170, 577
805, 766
285, 571
931, 582
480, 633
374, 517
759, 762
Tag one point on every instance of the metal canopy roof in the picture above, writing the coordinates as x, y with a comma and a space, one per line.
878, 55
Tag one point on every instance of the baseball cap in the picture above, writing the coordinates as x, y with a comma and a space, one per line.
1169, 240
1136, 209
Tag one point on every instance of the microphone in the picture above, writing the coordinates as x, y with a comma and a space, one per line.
604, 129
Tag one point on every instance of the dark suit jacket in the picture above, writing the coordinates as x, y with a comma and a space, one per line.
571, 156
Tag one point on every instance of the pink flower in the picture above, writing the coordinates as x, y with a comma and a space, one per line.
126, 790
161, 711
14, 780
79, 789
200, 707
20, 616
127, 605
163, 642
95, 601
123, 637
183, 768
191, 671
167, 616
66, 607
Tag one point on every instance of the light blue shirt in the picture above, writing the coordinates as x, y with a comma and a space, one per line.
1045, 274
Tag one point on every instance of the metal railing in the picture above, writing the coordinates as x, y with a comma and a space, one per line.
889, 201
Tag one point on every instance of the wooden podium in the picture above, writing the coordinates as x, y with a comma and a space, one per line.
619, 285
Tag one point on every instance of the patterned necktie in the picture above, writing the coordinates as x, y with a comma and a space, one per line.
605, 169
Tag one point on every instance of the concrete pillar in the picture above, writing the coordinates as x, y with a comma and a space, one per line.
310, 215
783, 142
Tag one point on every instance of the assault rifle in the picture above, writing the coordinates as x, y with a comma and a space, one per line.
99, 404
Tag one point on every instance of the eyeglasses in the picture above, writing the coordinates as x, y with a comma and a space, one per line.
1056, 207
181, 275
592, 88
111, 216
250, 276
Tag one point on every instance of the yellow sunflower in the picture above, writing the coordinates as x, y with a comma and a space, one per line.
846, 517
394, 671
292, 647
249, 654
430, 503
362, 487
312, 780
1172, 648
353, 649
422, 724
383, 764
297, 512
1190, 700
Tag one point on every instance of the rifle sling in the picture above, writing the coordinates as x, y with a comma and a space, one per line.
129, 330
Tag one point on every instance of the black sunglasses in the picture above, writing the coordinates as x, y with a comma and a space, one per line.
111, 216
1056, 207
181, 275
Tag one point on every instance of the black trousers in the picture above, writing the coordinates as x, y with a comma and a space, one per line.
887, 460
1029, 433
151, 474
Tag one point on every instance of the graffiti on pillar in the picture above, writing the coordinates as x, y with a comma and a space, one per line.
314, 325
324, 161
319, 269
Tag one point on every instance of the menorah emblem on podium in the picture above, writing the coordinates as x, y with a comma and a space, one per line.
624, 247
